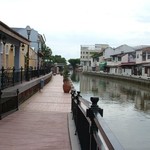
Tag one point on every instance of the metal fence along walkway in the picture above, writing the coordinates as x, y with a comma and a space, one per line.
41, 123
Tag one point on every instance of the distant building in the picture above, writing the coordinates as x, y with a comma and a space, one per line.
36, 39
86, 51
114, 66
36, 42
143, 60
10, 47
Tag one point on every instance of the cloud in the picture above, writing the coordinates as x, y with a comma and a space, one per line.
68, 24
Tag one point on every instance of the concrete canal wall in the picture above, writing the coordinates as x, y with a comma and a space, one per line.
139, 80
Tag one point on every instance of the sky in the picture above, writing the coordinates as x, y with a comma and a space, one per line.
68, 24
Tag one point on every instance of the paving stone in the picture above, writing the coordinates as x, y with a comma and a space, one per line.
41, 122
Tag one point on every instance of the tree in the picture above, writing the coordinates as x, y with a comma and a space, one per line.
96, 54
74, 62
47, 52
58, 59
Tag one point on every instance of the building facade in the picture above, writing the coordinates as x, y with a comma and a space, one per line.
124, 60
86, 52
35, 52
10, 47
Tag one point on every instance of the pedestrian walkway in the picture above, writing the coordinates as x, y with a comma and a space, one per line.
41, 123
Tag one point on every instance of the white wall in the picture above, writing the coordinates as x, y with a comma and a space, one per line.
139, 57
108, 52
124, 58
126, 71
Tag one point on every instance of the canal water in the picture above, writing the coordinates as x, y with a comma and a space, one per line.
126, 108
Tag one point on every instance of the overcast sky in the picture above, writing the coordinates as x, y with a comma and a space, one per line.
67, 24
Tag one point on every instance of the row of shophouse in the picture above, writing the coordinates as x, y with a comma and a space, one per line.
125, 60
19, 46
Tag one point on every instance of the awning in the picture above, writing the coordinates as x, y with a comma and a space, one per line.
128, 64
146, 65
102, 65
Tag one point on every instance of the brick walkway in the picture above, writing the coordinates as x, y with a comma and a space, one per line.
41, 122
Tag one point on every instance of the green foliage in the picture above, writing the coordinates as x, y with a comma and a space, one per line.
96, 54
74, 62
65, 72
47, 52
58, 59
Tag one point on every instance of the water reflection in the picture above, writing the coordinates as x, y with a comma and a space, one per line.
126, 108
75, 76
114, 90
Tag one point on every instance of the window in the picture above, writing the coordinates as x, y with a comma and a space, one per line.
148, 55
113, 58
146, 70
137, 56
144, 56
89, 63
119, 58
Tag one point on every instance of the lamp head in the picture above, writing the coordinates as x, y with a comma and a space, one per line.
11, 47
28, 30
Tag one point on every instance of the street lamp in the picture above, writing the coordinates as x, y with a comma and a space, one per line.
27, 69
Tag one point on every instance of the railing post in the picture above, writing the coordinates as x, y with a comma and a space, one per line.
95, 107
0, 93
72, 100
17, 99
21, 73
0, 104
13, 79
93, 128
2, 78
77, 97
76, 110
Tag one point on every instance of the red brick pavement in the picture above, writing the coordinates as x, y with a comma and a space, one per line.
41, 122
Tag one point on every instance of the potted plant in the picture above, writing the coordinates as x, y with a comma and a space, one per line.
66, 80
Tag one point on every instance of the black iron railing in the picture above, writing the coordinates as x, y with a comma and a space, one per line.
11, 76
92, 131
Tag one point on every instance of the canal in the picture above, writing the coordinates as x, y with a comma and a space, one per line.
126, 108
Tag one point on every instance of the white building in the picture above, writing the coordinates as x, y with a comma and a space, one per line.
143, 60
86, 51
36, 43
115, 64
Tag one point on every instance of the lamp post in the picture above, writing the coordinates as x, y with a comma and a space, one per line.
38, 59
27, 69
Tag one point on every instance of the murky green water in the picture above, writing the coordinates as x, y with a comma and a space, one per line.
126, 108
